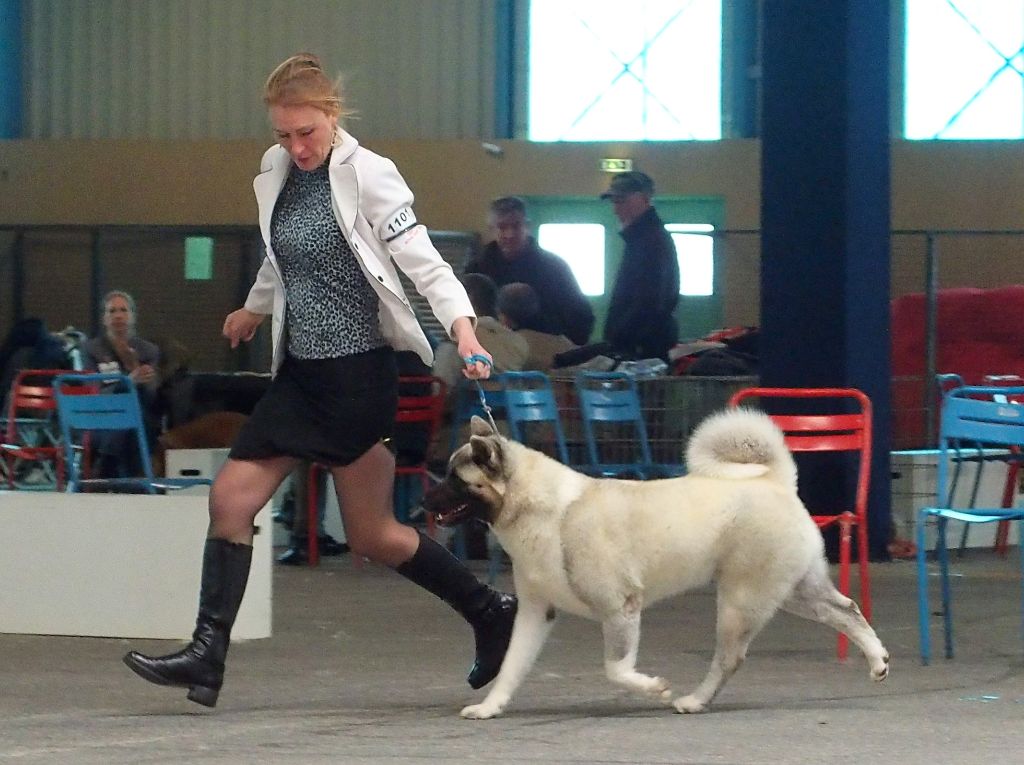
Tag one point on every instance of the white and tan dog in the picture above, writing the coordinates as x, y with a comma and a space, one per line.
605, 549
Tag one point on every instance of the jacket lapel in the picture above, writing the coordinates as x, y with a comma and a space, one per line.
267, 186
344, 186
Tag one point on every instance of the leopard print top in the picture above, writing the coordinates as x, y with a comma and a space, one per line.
331, 308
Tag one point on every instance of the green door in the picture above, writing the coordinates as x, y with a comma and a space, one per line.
585, 232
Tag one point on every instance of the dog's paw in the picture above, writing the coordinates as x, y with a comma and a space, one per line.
881, 670
689, 705
658, 687
482, 711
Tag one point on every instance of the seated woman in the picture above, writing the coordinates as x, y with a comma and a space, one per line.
119, 349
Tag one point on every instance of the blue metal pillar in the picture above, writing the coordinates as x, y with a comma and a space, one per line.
825, 210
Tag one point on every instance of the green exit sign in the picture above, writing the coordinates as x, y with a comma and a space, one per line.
616, 165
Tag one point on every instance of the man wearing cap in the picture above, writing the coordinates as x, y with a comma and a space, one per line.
640, 322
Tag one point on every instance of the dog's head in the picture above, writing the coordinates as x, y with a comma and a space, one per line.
475, 484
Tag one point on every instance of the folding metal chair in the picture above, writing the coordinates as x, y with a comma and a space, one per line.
972, 422
614, 429
831, 432
31, 434
90, 403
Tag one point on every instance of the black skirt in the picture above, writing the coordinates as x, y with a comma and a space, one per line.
330, 411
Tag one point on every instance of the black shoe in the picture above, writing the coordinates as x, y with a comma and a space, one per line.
330, 546
492, 629
294, 556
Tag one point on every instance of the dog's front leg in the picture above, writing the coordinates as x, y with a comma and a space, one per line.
621, 644
533, 623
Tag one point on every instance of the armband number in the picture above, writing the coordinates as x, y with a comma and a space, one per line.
397, 224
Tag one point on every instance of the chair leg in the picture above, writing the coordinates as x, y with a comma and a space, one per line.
1020, 532
843, 643
1009, 490
923, 615
947, 611
431, 523
312, 519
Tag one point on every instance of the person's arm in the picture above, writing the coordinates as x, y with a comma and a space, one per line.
241, 325
386, 203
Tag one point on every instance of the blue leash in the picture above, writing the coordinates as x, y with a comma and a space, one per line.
476, 357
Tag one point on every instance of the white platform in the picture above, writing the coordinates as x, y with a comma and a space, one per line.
115, 565
204, 463
914, 474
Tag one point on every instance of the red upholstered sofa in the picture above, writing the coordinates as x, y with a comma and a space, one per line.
980, 332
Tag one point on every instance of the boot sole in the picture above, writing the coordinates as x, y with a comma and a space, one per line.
198, 693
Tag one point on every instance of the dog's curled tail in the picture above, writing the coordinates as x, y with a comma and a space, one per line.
740, 443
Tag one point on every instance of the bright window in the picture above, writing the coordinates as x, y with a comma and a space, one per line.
625, 70
581, 245
696, 252
964, 69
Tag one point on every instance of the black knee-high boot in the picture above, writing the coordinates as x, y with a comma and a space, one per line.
489, 612
200, 665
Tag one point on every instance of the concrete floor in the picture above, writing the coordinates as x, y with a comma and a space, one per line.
365, 668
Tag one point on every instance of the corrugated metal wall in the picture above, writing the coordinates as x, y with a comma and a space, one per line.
190, 69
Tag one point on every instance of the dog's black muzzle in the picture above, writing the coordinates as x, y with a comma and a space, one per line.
450, 507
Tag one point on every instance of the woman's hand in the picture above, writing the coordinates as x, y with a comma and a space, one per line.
143, 374
241, 325
471, 351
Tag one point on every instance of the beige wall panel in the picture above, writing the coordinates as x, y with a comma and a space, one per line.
970, 185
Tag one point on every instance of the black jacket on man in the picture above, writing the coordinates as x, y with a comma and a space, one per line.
564, 307
640, 321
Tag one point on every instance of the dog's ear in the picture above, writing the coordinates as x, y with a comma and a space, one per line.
486, 453
478, 426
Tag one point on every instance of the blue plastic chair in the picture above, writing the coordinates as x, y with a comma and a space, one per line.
610, 406
972, 421
529, 400
89, 403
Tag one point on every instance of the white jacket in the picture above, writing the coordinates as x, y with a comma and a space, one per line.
371, 203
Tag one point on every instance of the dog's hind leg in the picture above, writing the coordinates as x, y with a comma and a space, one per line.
817, 599
738, 624
621, 644
532, 626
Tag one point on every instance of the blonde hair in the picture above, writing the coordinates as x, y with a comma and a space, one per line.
300, 80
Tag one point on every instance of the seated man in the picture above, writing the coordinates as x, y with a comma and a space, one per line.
519, 310
507, 349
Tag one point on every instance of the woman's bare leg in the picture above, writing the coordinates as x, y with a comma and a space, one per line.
242, 488
364, 490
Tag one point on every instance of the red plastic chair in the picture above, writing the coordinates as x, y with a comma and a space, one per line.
832, 433
32, 410
421, 403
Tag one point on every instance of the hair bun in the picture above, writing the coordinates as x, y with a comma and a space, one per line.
310, 59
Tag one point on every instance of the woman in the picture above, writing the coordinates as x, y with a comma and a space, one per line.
335, 219
119, 349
